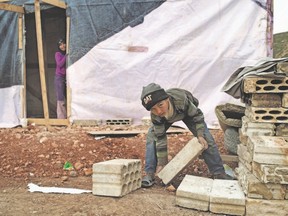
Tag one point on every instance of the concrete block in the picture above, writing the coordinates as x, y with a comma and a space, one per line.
244, 156
187, 154
265, 84
282, 130
194, 192
260, 207
285, 100
270, 149
250, 128
116, 177
267, 114
227, 197
266, 100
243, 137
253, 188
120, 121
267, 173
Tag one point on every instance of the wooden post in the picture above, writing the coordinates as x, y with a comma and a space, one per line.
20, 47
20, 31
67, 63
41, 60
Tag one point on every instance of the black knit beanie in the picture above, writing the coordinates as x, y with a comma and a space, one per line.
152, 94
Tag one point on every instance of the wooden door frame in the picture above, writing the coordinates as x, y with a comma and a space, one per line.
19, 9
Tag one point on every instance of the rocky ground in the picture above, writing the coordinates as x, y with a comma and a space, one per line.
37, 154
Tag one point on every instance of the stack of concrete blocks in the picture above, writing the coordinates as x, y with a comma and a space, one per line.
218, 196
263, 151
116, 177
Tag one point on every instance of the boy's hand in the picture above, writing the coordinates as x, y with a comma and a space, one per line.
203, 142
158, 169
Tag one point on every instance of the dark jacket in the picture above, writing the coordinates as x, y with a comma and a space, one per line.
186, 109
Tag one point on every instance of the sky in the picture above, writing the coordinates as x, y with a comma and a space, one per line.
280, 16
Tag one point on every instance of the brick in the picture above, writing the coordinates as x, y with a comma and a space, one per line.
266, 114
120, 121
265, 85
86, 122
285, 100
245, 157
250, 128
185, 156
253, 188
267, 173
282, 130
266, 100
116, 177
269, 149
194, 192
227, 197
243, 137
260, 207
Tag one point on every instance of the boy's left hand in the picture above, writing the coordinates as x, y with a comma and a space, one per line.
203, 142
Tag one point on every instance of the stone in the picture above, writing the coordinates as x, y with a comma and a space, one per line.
268, 173
253, 188
261, 207
227, 197
194, 192
244, 156
282, 130
269, 149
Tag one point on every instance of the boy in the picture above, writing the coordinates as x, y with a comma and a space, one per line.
167, 107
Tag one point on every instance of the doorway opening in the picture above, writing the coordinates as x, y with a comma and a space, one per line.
53, 22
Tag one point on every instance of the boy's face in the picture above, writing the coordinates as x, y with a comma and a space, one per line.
161, 108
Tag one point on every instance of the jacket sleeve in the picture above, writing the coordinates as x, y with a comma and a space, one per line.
197, 116
60, 59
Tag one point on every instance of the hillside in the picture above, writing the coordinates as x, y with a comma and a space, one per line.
280, 45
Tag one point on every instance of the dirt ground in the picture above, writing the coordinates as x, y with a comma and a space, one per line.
37, 154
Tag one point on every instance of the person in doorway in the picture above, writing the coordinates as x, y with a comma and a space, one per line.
167, 107
60, 79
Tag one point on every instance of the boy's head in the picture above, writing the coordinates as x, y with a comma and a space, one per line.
152, 94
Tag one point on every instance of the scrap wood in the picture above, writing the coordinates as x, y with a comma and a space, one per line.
132, 132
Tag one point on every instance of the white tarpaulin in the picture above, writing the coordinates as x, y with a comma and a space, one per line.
195, 45
10, 106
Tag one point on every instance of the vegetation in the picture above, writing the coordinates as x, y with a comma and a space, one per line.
280, 45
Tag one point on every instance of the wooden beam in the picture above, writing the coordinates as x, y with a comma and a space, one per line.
56, 3
41, 121
10, 7
41, 60
67, 33
20, 31
68, 89
132, 132
229, 158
